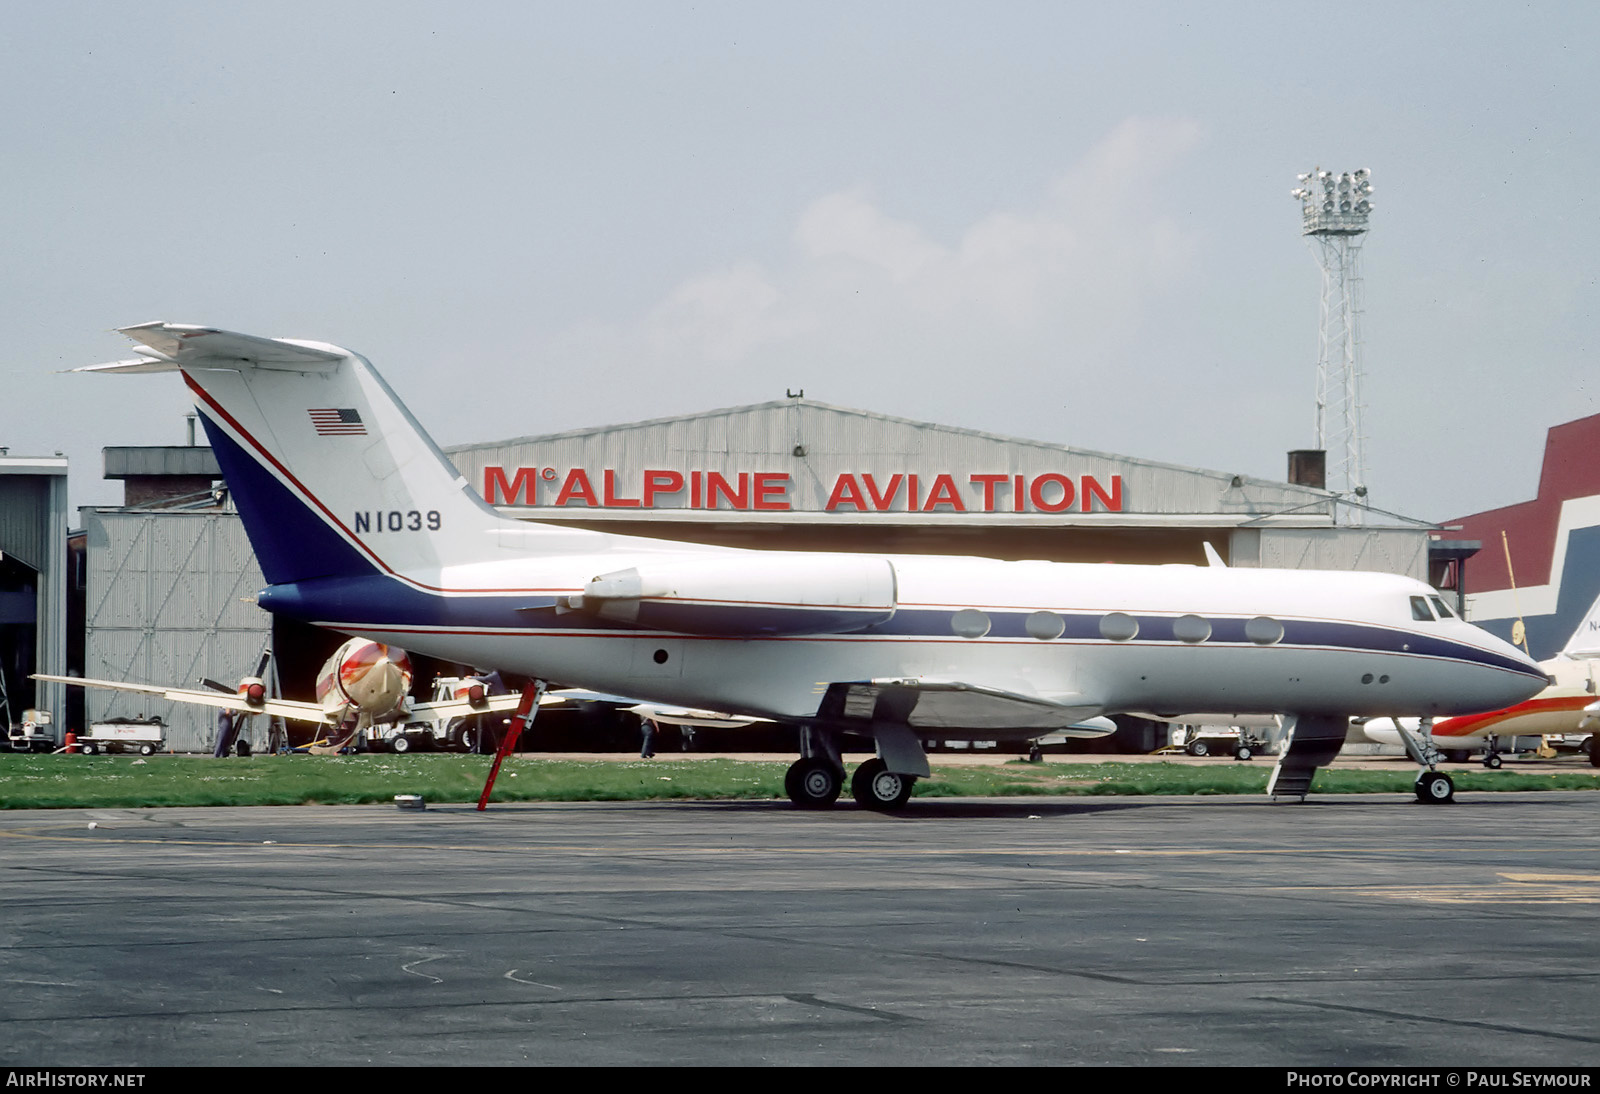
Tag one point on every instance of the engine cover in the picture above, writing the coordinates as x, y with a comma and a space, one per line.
765, 594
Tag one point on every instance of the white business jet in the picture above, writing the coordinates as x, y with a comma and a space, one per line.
361, 525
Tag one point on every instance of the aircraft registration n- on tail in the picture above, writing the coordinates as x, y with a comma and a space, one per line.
362, 525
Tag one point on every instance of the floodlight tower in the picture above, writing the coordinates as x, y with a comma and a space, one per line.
1334, 210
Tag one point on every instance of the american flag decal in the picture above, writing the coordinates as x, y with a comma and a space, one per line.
334, 422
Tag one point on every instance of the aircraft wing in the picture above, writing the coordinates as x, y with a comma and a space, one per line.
929, 704
693, 717
283, 708
460, 708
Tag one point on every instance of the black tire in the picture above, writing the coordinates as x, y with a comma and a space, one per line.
401, 744
1492, 761
87, 749
1243, 753
467, 738
812, 783
876, 787
147, 749
1435, 788
1198, 748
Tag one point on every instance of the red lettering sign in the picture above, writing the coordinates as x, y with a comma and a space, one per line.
1051, 492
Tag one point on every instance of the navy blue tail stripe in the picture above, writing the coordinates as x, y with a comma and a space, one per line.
291, 542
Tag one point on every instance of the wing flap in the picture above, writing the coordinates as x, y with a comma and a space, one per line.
461, 708
945, 705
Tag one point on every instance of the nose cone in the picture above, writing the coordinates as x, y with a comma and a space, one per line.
1519, 676
376, 677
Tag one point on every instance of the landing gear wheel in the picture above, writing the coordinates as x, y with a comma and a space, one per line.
1435, 787
402, 743
1243, 753
1492, 761
876, 787
812, 783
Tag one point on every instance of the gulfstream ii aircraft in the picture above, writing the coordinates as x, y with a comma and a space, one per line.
362, 525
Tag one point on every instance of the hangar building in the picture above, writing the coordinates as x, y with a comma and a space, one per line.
33, 582
797, 474
1553, 542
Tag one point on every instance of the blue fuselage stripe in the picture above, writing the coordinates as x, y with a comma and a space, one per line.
380, 602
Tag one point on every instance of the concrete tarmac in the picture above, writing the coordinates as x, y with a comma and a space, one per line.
1345, 931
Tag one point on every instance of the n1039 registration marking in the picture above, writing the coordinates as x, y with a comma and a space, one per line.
398, 520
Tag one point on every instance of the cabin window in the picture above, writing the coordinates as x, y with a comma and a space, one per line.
1263, 630
1119, 627
1439, 606
970, 623
1420, 609
1045, 625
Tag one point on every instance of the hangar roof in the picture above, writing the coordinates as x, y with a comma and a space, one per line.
802, 450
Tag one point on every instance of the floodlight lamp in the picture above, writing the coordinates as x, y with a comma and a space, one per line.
1363, 206
1304, 177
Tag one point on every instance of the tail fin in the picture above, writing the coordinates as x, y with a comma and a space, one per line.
331, 474
1585, 641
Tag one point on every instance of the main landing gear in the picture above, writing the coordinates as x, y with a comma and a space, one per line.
883, 783
815, 783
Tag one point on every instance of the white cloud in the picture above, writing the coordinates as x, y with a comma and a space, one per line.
1065, 279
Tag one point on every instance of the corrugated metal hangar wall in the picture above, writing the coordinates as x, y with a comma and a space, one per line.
171, 599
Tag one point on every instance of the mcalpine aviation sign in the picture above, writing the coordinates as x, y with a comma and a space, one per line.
850, 492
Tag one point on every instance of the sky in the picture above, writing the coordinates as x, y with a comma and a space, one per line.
1059, 221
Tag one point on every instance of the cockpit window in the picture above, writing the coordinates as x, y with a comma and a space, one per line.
1439, 606
1419, 609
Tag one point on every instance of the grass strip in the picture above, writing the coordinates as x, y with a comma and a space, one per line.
46, 782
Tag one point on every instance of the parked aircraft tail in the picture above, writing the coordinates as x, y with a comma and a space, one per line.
1585, 641
332, 478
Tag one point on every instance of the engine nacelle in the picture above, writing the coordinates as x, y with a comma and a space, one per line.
761, 594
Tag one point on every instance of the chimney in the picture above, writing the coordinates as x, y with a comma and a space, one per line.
1309, 467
